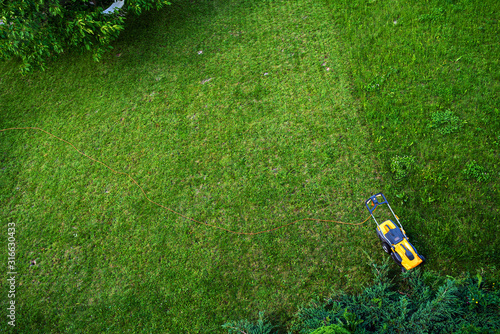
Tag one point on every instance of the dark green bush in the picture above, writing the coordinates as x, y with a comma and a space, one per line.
452, 307
36, 30
424, 303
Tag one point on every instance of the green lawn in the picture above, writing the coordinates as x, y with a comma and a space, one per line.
247, 115
426, 78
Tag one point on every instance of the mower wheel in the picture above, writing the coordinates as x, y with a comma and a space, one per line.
386, 248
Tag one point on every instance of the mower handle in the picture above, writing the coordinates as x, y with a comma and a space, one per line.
372, 203
375, 202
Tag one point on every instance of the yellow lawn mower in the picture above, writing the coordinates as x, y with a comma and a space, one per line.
394, 239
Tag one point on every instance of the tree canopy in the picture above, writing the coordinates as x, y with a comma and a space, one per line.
36, 30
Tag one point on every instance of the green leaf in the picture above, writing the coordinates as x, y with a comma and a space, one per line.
479, 280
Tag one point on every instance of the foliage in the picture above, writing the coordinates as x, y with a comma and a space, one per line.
244, 326
401, 166
332, 329
429, 303
419, 309
35, 31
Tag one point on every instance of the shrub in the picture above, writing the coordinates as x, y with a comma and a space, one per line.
36, 30
424, 303
421, 309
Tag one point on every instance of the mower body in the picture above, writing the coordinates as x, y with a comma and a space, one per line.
394, 239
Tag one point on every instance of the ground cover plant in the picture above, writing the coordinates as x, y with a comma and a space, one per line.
248, 115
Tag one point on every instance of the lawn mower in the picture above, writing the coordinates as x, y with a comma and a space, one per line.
393, 238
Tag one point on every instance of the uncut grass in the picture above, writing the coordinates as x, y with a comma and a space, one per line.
255, 131
409, 60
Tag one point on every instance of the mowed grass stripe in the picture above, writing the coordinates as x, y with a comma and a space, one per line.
255, 131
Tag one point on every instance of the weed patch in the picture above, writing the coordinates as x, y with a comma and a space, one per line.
445, 122
401, 166
476, 172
